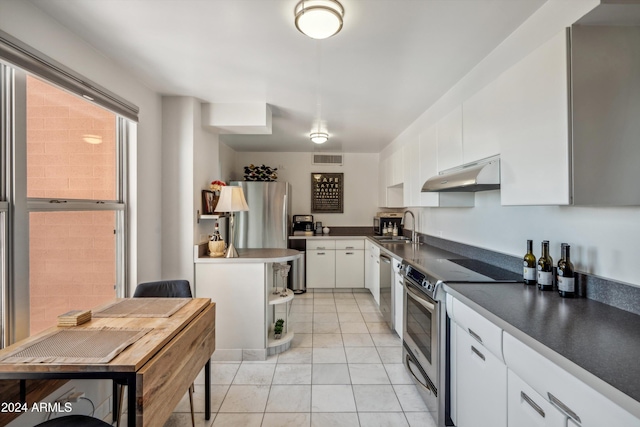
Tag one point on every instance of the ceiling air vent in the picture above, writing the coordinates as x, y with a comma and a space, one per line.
327, 159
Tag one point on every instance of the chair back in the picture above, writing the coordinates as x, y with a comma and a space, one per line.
164, 289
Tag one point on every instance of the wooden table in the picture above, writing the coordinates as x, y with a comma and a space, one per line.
158, 369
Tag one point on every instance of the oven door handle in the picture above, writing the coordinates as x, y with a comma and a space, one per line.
420, 299
407, 359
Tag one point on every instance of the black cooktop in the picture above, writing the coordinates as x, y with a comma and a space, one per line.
491, 271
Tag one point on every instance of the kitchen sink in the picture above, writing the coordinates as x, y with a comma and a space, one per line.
392, 239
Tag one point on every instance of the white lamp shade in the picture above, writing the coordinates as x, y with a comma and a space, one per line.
319, 19
231, 200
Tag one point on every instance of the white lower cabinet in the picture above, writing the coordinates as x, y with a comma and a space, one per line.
335, 263
398, 300
526, 408
481, 387
580, 402
497, 380
349, 268
321, 268
372, 270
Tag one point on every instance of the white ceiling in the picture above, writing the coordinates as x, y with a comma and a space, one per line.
391, 61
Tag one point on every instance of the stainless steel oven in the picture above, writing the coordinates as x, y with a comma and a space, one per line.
426, 350
421, 325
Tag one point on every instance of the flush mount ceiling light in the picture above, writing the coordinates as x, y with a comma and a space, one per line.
319, 137
319, 19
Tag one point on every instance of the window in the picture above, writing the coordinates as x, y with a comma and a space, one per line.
75, 203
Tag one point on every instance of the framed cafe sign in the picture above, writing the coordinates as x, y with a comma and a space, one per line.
327, 193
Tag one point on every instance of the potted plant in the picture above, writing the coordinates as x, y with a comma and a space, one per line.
277, 329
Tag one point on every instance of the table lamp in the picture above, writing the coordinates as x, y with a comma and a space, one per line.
231, 200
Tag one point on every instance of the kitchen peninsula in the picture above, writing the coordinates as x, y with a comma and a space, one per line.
242, 289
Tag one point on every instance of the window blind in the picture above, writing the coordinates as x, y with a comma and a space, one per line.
23, 56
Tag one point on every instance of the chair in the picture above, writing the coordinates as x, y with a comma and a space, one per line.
74, 421
162, 289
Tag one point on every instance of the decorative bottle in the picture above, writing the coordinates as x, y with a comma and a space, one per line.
545, 269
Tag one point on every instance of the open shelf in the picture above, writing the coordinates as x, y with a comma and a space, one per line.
216, 216
283, 340
277, 299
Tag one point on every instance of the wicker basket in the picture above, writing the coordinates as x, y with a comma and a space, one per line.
216, 249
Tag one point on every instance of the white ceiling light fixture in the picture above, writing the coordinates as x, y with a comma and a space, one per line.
319, 137
319, 19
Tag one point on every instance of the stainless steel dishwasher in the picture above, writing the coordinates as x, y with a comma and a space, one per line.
386, 291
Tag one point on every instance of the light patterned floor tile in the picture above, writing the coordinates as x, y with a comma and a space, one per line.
236, 420
286, 420
296, 355
329, 355
293, 373
362, 355
330, 373
368, 373
420, 419
376, 398
382, 419
246, 398
332, 398
334, 419
289, 398
254, 374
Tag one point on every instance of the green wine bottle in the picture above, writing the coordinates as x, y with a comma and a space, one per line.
545, 269
529, 271
566, 275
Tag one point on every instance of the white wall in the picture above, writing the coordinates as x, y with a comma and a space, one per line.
603, 240
26, 22
360, 181
189, 164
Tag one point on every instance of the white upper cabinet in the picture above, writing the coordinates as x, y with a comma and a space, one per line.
481, 118
382, 181
428, 167
396, 176
450, 140
411, 166
533, 128
568, 124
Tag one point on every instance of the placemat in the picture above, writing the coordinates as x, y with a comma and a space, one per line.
76, 346
143, 307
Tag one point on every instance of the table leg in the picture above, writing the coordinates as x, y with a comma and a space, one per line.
207, 390
115, 409
23, 391
131, 401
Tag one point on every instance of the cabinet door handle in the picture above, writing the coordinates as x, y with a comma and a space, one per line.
320, 247
475, 336
563, 408
348, 253
350, 247
480, 355
533, 404
320, 253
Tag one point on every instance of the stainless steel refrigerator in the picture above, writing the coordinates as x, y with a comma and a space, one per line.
266, 223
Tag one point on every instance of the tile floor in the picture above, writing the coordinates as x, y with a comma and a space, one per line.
344, 368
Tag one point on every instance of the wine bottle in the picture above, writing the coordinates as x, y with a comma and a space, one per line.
529, 271
545, 269
566, 275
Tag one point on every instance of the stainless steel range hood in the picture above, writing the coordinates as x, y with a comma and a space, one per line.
478, 176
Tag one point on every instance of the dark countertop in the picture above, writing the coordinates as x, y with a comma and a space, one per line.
600, 339
597, 343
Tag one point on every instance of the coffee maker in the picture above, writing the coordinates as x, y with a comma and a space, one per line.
303, 225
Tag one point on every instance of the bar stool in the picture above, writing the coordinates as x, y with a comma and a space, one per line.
74, 421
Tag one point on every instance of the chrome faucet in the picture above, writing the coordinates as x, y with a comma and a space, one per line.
413, 231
